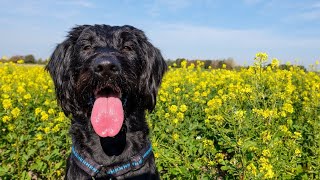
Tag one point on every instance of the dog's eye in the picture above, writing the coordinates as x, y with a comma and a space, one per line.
127, 48
87, 47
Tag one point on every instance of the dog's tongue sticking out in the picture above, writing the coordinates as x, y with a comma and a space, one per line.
107, 116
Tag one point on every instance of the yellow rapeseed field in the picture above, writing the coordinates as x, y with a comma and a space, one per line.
259, 122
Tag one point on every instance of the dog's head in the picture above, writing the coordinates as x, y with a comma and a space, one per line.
99, 66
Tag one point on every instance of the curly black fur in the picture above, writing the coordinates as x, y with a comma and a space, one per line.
136, 74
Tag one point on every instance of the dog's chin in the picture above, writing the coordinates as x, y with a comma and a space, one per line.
118, 143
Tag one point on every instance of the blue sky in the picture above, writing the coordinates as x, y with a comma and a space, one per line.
193, 29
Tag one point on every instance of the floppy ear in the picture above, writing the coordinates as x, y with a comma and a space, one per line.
153, 71
59, 69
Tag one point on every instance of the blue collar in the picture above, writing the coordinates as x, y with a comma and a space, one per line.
97, 170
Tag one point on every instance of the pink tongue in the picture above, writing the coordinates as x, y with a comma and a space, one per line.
107, 116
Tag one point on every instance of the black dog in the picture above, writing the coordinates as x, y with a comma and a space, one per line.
105, 78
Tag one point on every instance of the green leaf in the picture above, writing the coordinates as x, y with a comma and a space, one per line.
225, 168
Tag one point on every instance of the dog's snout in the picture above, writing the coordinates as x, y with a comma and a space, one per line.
106, 66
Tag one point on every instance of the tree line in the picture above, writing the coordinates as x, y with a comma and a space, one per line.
228, 63
28, 59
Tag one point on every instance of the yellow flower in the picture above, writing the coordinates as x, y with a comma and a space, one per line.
162, 98
61, 114
15, 112
183, 108
211, 163
175, 120
239, 114
180, 115
44, 116
269, 174
166, 115
37, 111
6, 103
215, 103
184, 64
297, 152
58, 173
51, 111
207, 143
46, 130
253, 148
275, 63
266, 168
175, 136
6, 119
218, 117
266, 137
39, 137
252, 169
204, 94
266, 153
176, 90
21, 61
21, 90
47, 102
287, 107
283, 128
297, 135
173, 108
27, 96
6, 88
5, 96
11, 127
261, 57
219, 157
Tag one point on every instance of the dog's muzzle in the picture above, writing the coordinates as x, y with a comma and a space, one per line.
106, 66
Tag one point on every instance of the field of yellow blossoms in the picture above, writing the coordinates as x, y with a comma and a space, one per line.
255, 123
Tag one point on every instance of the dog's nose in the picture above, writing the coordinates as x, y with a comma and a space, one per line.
106, 66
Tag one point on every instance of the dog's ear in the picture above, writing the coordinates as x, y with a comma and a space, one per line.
59, 69
154, 68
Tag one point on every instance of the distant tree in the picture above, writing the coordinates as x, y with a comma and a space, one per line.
4, 59
29, 59
224, 63
179, 60
207, 63
214, 64
46, 61
230, 63
15, 58
39, 61
287, 67
170, 62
